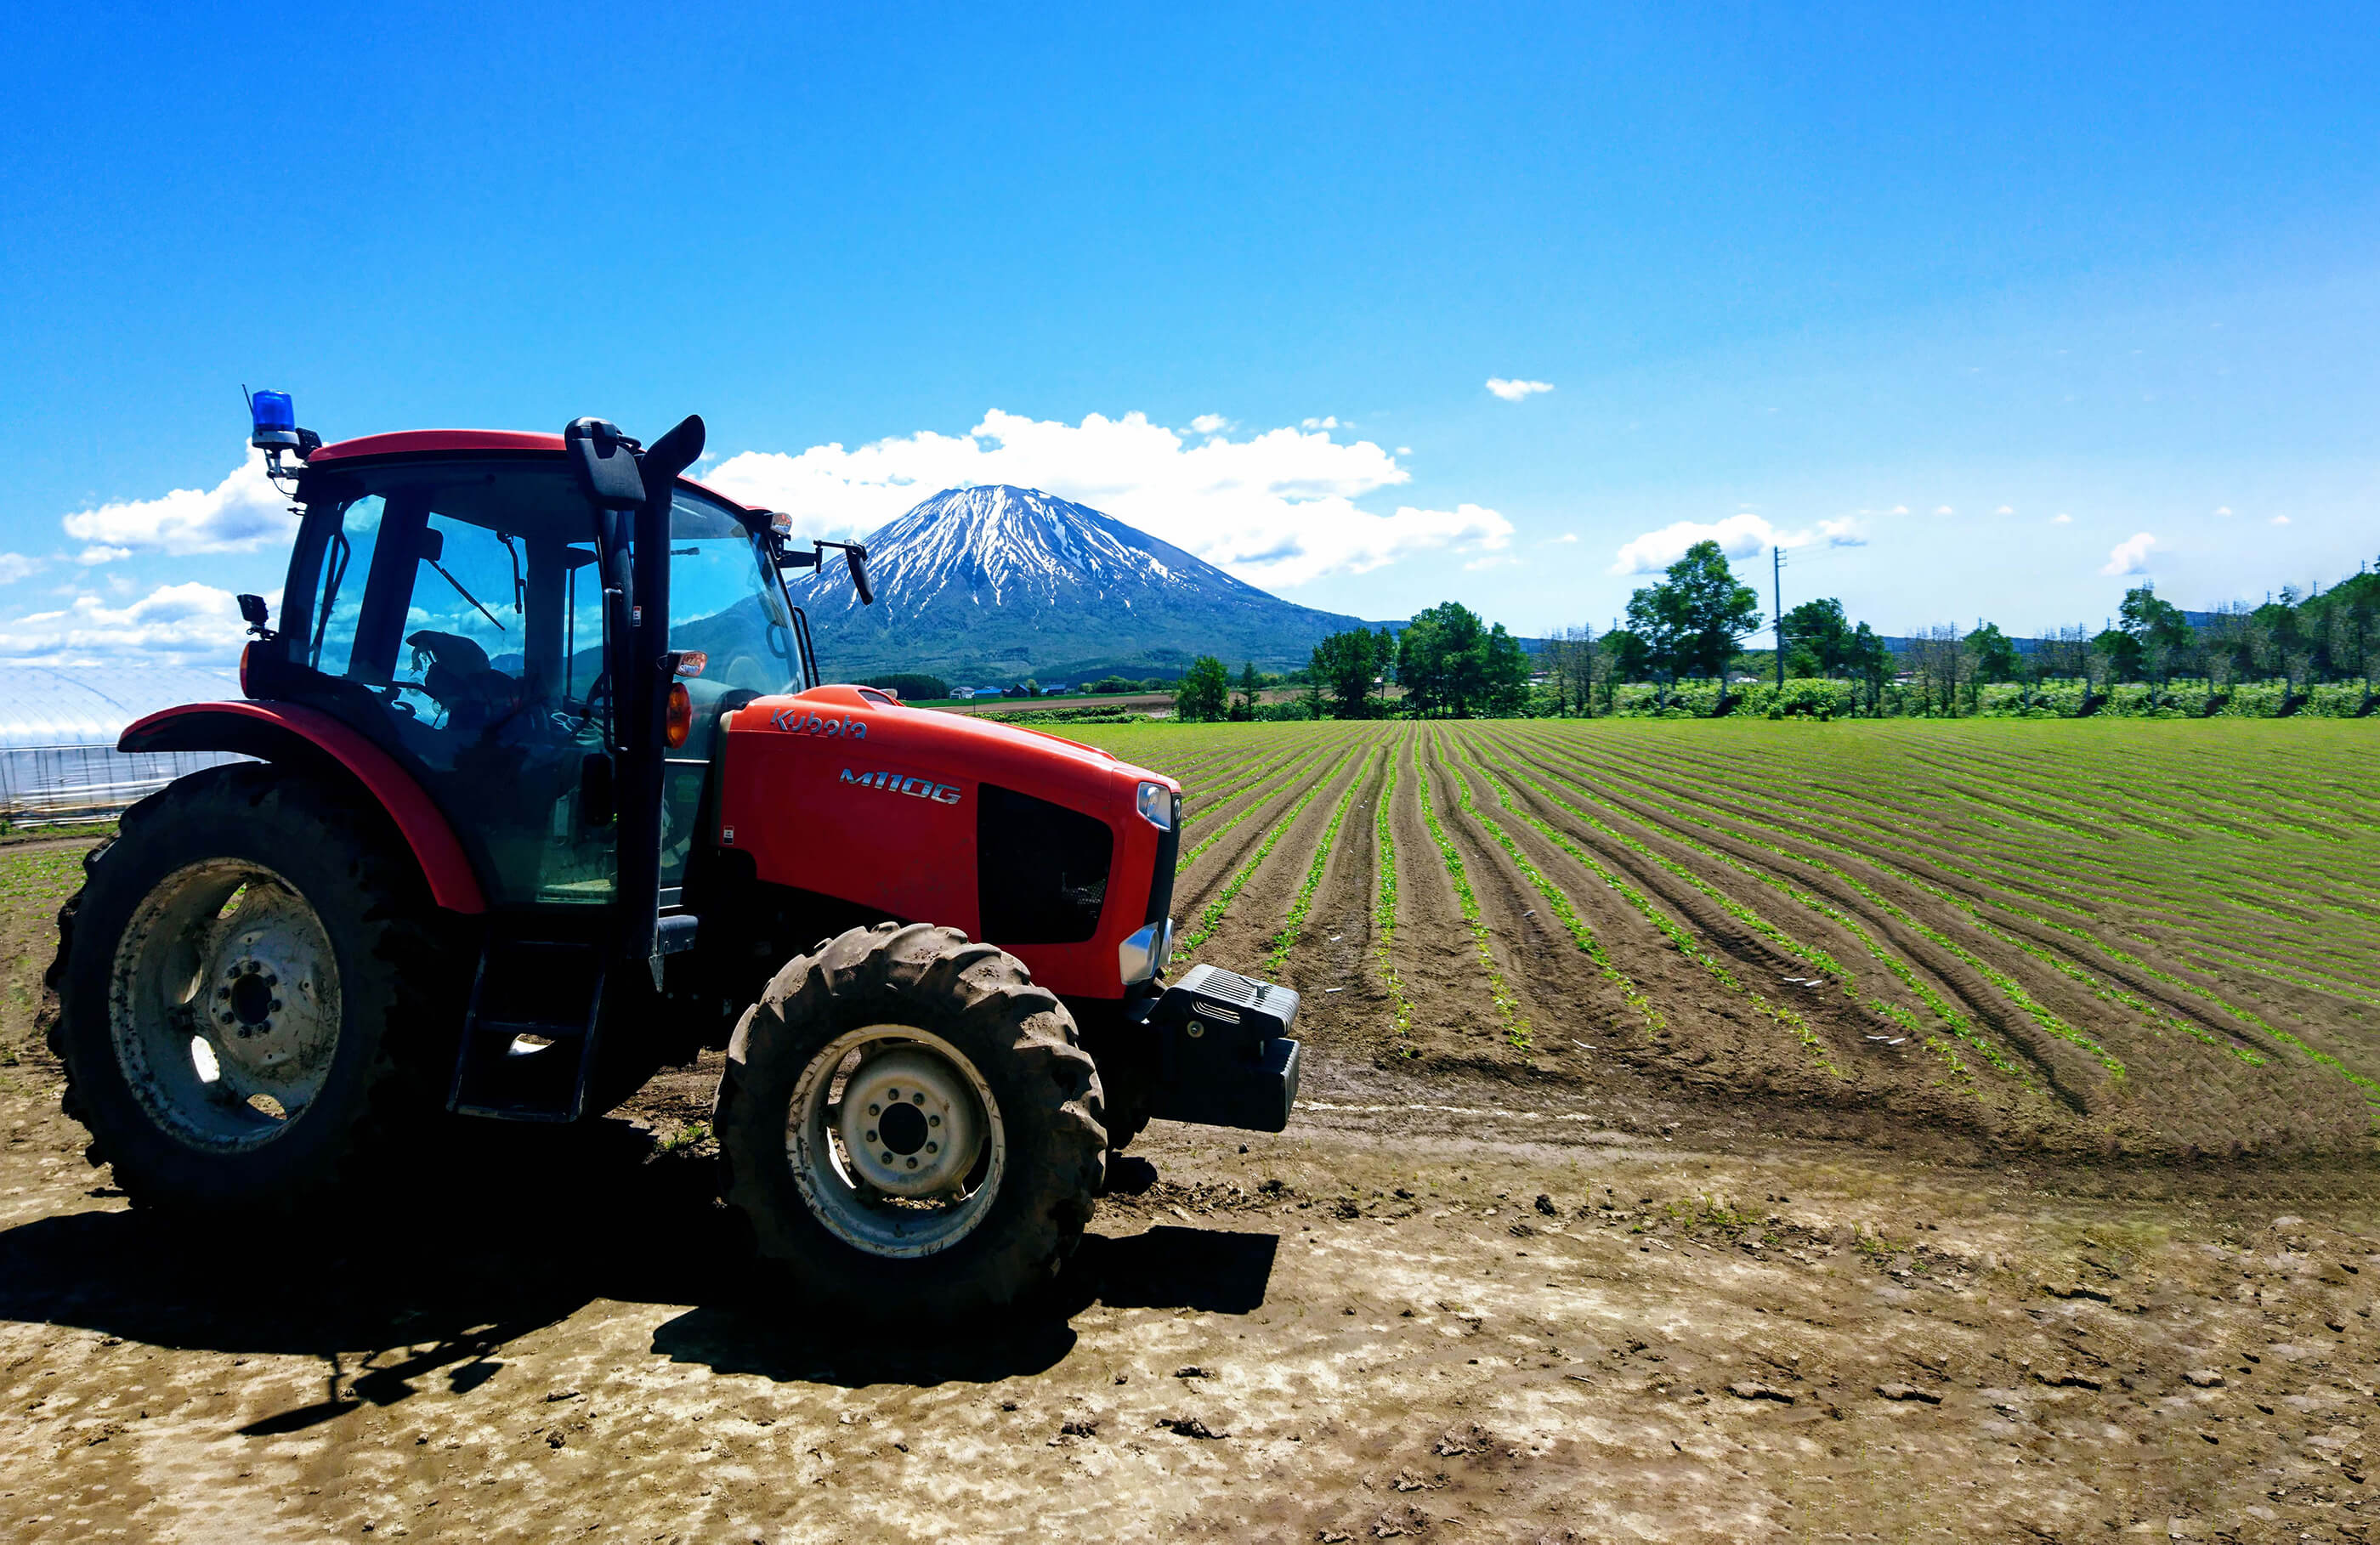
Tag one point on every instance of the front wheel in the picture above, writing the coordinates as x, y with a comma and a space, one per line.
908, 1126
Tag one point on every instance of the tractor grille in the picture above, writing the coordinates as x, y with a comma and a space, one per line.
1041, 869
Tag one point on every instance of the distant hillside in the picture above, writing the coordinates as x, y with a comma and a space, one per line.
988, 585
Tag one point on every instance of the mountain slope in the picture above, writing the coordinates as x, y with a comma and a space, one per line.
985, 585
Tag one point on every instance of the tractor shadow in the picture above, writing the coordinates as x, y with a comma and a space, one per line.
396, 1298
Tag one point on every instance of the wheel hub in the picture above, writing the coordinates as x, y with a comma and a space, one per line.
224, 1004
909, 1123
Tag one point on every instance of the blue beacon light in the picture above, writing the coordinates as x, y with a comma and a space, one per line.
275, 420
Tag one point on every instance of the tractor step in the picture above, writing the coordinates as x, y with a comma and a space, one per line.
529, 1040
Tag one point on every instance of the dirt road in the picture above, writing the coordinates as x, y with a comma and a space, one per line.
1431, 1309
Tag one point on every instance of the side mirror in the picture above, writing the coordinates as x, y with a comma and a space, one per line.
857, 557
605, 461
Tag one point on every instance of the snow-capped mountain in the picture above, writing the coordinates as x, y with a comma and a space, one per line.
1003, 581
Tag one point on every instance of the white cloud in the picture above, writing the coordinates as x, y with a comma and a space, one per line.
243, 514
1565, 537
2223, 509
92, 556
15, 566
1946, 510
2281, 520
1897, 510
2061, 518
2129, 556
1211, 423
177, 624
1513, 391
2004, 510
1330, 423
1737, 537
1276, 509
1404, 450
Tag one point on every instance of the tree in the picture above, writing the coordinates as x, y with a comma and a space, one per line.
1626, 654
1244, 705
1868, 661
1694, 619
1344, 667
1451, 664
1993, 655
1205, 689
909, 685
1818, 638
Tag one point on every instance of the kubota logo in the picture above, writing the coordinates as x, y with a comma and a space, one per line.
896, 783
800, 721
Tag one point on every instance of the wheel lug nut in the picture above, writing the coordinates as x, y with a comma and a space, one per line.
270, 980
276, 1007
933, 1121
876, 1110
223, 992
917, 1099
888, 1157
871, 1137
913, 1164
933, 1147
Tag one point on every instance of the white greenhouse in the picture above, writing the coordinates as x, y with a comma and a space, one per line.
58, 726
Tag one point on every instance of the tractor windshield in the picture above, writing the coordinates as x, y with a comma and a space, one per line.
725, 600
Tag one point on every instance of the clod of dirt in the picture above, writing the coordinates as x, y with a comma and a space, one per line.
1473, 1439
2205, 1378
1408, 1519
1080, 1427
1191, 1372
1546, 1205
1347, 1207
1747, 1390
1190, 1427
2074, 1381
1908, 1391
1413, 1480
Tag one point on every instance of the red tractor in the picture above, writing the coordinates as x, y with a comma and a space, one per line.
548, 794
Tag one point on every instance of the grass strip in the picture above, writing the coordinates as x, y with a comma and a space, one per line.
1384, 909
1295, 920
1508, 1003
1680, 939
1211, 915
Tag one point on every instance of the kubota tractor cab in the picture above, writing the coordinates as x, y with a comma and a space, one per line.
549, 793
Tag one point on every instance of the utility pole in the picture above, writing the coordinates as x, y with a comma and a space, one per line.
1776, 594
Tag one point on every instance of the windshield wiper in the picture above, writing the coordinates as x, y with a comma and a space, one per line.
460, 591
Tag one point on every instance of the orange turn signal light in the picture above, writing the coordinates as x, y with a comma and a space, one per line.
677, 722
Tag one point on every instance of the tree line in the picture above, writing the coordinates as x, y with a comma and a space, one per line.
1689, 627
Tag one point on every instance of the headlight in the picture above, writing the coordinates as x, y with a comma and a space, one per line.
1147, 952
1157, 805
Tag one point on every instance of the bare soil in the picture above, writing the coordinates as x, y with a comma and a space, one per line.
1623, 1283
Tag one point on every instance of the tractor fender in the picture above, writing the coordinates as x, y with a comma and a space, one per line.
302, 736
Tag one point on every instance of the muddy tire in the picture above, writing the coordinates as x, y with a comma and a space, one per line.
253, 1008
908, 1128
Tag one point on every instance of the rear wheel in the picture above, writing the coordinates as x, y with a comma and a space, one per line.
908, 1126
249, 1010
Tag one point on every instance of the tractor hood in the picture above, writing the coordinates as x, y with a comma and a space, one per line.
1030, 842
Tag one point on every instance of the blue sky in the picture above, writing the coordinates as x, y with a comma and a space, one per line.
1898, 289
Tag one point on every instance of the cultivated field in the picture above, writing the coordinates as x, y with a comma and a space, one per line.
1711, 1133
2122, 939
